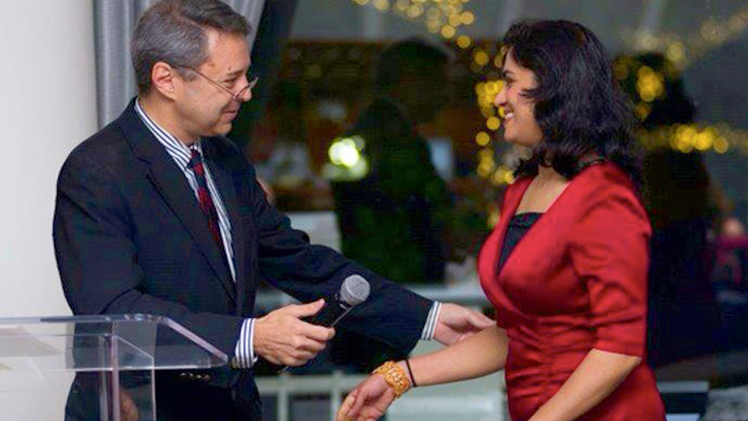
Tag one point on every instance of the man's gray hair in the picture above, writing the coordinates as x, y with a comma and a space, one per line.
173, 31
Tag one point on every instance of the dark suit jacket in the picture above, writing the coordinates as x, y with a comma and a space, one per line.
130, 238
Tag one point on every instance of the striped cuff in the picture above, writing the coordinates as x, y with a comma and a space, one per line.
430, 326
244, 354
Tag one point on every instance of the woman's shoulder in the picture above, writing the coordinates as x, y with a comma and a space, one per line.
607, 185
607, 177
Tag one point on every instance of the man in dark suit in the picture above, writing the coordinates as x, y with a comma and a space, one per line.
159, 213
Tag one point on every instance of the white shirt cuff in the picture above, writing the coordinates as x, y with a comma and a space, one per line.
430, 326
244, 352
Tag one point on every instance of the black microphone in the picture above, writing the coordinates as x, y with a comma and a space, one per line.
353, 291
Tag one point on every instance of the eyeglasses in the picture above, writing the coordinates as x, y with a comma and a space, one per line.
236, 96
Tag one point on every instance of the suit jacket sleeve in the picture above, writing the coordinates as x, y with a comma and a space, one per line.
610, 253
98, 261
392, 314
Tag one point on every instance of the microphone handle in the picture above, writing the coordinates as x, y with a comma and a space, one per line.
329, 316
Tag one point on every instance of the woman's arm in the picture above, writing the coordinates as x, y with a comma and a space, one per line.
597, 376
481, 354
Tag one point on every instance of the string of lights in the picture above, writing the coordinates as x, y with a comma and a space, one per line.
683, 51
443, 17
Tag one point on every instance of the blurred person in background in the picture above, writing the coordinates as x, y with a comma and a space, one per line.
684, 208
393, 219
730, 281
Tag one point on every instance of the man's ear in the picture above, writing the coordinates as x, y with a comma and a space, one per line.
165, 79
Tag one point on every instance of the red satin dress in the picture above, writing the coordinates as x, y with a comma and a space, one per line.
576, 280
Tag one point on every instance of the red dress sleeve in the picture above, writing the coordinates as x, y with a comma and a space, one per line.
610, 254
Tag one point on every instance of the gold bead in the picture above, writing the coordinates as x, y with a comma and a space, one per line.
395, 376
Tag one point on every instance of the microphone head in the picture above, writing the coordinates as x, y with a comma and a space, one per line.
355, 290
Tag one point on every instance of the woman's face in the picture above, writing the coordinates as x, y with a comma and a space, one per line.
520, 126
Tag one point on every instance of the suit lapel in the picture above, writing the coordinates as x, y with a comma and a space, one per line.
172, 185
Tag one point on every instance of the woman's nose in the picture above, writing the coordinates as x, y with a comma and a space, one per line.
500, 98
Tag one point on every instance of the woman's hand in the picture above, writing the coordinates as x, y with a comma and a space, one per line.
368, 401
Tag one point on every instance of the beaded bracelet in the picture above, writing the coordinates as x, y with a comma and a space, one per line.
395, 376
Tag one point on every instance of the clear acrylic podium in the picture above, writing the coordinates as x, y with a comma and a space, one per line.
40, 355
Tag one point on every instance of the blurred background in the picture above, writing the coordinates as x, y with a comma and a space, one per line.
373, 128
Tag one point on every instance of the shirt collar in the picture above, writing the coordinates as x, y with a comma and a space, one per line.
178, 150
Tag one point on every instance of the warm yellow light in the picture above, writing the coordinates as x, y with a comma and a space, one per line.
480, 88
704, 140
448, 31
686, 133
498, 61
464, 41
382, 5
650, 84
434, 13
414, 11
493, 218
721, 145
455, 20
467, 18
498, 177
486, 154
493, 88
676, 52
480, 57
484, 169
493, 123
642, 110
482, 138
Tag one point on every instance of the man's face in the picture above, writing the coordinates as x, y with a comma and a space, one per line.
205, 109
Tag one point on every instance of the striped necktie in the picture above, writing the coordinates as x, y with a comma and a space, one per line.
203, 196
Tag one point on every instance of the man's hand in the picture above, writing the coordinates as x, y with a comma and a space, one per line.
457, 323
283, 339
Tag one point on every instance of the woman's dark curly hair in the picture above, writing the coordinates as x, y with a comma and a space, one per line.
579, 106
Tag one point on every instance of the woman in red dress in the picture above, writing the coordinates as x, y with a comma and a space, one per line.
566, 266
